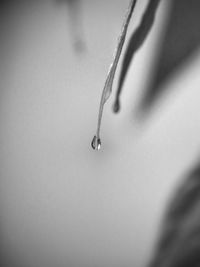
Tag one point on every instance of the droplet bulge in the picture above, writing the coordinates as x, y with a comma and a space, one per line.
96, 143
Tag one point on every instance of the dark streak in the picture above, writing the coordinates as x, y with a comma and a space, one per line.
135, 42
181, 41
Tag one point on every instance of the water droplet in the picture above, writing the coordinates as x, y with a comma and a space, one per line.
96, 143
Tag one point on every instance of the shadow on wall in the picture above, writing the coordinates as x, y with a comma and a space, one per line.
179, 244
76, 31
179, 44
181, 41
75, 20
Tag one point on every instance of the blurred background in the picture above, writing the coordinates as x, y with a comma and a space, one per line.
61, 203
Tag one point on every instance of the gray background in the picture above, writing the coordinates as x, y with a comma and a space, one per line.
61, 203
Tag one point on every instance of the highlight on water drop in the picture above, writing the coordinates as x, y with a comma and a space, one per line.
96, 143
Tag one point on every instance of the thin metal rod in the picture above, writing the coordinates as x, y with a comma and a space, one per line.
111, 73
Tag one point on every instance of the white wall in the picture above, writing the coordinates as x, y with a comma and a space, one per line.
61, 203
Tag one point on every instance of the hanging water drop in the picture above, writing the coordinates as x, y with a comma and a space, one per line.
96, 143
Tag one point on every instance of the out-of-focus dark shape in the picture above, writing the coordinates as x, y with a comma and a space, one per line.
8, 3
74, 7
137, 39
179, 245
181, 40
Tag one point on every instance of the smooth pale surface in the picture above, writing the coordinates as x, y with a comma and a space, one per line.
61, 203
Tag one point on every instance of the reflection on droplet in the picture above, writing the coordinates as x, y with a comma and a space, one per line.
96, 143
